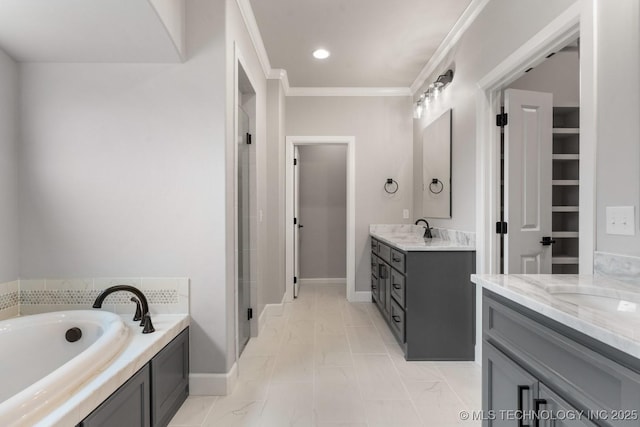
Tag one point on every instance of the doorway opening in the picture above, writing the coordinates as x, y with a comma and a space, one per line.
320, 215
539, 167
294, 145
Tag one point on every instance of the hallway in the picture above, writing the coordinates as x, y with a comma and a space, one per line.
328, 362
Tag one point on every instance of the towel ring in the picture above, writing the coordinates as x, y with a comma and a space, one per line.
391, 186
434, 186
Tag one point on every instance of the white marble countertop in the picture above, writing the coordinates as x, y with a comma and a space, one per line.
409, 237
139, 350
603, 308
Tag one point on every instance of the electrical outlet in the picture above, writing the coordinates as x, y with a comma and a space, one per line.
405, 213
621, 220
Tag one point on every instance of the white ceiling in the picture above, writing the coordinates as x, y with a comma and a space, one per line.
84, 31
373, 43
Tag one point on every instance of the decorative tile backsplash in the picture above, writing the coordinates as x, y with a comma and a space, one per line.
164, 295
620, 267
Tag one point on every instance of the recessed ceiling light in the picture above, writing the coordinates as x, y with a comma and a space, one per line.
321, 53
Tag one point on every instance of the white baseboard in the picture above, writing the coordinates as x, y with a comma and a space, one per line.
213, 384
324, 281
270, 310
361, 296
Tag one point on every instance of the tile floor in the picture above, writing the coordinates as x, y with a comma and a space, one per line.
328, 362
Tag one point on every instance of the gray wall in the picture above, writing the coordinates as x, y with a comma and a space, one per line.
559, 75
382, 130
504, 25
273, 290
618, 119
122, 172
9, 244
323, 211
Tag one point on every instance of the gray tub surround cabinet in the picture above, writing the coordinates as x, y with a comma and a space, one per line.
153, 395
147, 381
421, 288
560, 344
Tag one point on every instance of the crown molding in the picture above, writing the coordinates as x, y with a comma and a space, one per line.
254, 33
462, 24
280, 74
349, 91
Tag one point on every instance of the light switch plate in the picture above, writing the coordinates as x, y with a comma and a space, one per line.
405, 213
621, 220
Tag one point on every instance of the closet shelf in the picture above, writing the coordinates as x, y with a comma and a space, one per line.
564, 234
565, 182
566, 131
564, 209
564, 260
566, 157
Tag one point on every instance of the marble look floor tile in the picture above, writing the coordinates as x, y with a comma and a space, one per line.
391, 413
365, 339
326, 362
436, 403
234, 413
378, 378
466, 381
288, 404
193, 411
338, 402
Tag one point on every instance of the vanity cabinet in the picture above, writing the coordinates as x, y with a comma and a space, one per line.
153, 395
537, 365
426, 299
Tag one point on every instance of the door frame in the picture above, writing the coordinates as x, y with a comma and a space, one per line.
557, 34
577, 20
290, 142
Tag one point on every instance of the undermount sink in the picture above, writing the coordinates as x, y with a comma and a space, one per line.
603, 299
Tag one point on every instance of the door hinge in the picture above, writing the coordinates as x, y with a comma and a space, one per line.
501, 119
295, 162
295, 280
295, 221
501, 227
250, 313
248, 138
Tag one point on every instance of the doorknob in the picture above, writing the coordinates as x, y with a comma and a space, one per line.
547, 240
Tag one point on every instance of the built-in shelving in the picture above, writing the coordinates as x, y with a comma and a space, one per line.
565, 189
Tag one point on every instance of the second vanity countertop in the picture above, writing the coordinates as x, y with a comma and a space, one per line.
602, 308
408, 238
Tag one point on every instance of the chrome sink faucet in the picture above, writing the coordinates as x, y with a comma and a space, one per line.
147, 326
427, 229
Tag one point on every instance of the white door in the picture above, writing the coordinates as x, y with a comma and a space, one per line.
527, 186
296, 222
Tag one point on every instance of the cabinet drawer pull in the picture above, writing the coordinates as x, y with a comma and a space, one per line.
521, 390
374, 287
396, 286
395, 259
396, 318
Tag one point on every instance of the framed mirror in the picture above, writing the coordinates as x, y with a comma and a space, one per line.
436, 168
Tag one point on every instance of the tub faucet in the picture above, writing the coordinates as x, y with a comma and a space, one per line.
147, 326
427, 229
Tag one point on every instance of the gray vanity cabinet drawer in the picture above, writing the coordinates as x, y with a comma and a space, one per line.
562, 362
374, 288
384, 252
397, 287
397, 320
374, 246
397, 260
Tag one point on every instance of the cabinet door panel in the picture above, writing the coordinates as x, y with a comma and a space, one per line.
170, 379
563, 414
127, 406
506, 388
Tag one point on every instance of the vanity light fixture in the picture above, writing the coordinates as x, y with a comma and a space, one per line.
432, 92
321, 53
